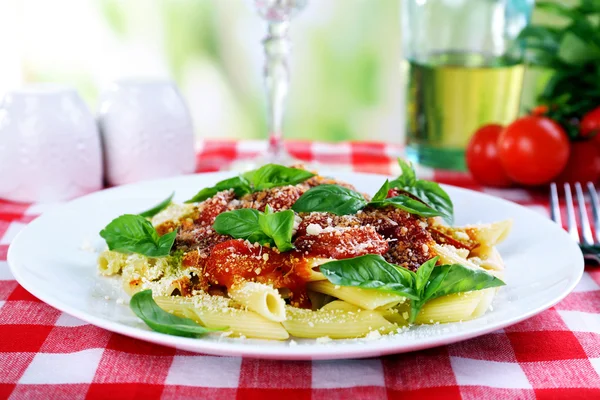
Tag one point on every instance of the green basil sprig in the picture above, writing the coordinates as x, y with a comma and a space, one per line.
330, 198
270, 228
403, 202
144, 306
239, 184
429, 282
428, 192
272, 175
266, 177
158, 208
371, 272
343, 201
135, 234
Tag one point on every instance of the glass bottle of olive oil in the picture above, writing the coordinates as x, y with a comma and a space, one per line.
449, 96
463, 69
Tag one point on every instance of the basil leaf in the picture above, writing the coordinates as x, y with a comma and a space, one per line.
135, 234
428, 192
272, 175
270, 228
157, 208
455, 278
239, 224
435, 197
408, 177
266, 177
330, 198
574, 50
423, 274
278, 226
382, 192
429, 282
144, 306
371, 272
239, 184
407, 204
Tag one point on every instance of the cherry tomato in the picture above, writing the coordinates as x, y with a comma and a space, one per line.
590, 124
482, 157
583, 165
533, 150
539, 111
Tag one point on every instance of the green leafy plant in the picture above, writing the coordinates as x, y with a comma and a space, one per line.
428, 192
431, 200
334, 199
131, 233
573, 54
274, 229
144, 306
429, 282
266, 177
158, 208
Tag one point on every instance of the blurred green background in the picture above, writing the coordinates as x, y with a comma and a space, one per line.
346, 82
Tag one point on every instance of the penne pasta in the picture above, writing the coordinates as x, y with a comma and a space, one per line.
451, 308
449, 255
487, 296
364, 298
335, 323
489, 234
316, 275
260, 298
487, 257
111, 262
215, 312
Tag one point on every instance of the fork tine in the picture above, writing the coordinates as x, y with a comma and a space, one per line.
571, 222
595, 208
586, 230
554, 205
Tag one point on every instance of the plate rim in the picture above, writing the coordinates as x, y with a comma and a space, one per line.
314, 351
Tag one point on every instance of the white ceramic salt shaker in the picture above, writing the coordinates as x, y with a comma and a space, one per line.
49, 145
146, 130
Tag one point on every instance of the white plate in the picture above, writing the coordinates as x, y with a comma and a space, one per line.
542, 266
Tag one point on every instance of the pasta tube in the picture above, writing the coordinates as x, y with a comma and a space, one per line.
111, 262
335, 323
451, 308
489, 234
260, 298
214, 312
364, 298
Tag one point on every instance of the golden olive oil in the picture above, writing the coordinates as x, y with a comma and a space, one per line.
450, 96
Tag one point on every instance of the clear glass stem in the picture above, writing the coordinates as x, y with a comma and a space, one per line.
277, 79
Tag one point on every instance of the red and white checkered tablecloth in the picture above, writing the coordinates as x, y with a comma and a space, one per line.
45, 354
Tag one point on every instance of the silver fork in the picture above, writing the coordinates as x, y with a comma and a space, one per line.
589, 246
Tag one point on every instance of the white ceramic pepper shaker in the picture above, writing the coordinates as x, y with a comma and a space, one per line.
49, 145
146, 131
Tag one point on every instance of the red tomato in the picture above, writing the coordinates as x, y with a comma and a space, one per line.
583, 165
533, 150
590, 124
482, 157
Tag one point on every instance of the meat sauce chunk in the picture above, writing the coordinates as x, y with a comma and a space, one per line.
197, 234
324, 220
342, 243
211, 207
278, 198
410, 244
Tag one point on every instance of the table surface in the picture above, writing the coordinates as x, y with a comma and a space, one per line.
47, 354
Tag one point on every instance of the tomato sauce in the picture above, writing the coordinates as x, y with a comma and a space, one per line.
343, 243
238, 260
